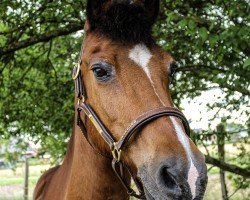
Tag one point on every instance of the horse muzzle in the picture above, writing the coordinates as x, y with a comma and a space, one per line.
169, 180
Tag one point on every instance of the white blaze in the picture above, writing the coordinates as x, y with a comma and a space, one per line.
192, 173
141, 55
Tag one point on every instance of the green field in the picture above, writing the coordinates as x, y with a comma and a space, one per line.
11, 184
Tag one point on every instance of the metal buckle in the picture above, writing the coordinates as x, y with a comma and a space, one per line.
77, 66
116, 152
80, 99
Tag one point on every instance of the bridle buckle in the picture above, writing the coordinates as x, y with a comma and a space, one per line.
77, 67
116, 152
80, 100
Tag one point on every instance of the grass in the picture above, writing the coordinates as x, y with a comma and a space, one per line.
213, 191
231, 150
11, 183
17, 181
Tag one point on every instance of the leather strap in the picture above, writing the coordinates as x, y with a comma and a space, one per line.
118, 168
83, 129
148, 117
134, 126
117, 165
79, 87
97, 123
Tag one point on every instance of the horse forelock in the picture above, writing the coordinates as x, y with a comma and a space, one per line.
127, 23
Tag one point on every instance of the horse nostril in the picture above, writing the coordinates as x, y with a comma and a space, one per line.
168, 182
168, 178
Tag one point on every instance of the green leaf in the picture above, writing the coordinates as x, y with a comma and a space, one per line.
191, 24
183, 23
203, 34
246, 63
172, 16
213, 39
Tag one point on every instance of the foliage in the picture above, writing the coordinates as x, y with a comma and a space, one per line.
36, 87
40, 40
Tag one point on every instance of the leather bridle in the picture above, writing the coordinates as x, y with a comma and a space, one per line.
116, 147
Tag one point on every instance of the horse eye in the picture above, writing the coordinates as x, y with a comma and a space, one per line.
102, 71
99, 72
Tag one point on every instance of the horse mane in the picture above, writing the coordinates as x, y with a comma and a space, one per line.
126, 23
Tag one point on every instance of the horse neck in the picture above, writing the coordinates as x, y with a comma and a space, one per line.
90, 175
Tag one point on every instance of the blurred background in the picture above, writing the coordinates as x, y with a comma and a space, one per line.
39, 42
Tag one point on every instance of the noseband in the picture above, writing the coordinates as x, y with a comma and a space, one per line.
116, 147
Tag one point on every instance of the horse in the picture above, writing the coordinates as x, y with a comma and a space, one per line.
126, 125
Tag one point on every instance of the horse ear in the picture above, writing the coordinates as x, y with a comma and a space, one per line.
152, 8
86, 26
95, 9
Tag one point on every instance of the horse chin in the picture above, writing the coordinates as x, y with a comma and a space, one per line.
153, 195
148, 195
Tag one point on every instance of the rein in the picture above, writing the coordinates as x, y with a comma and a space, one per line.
116, 147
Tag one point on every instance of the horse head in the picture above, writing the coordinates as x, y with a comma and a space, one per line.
125, 75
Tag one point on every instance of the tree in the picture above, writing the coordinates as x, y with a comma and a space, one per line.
40, 41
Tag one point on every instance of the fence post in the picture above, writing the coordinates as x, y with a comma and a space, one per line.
221, 132
26, 178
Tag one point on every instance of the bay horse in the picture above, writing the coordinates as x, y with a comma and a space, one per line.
123, 76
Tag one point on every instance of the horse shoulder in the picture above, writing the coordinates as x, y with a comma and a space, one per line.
43, 183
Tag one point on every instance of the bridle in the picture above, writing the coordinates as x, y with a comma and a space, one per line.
116, 147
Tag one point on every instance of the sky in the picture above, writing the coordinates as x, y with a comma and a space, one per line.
199, 114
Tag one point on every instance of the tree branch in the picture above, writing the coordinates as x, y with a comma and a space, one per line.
228, 167
221, 84
41, 38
